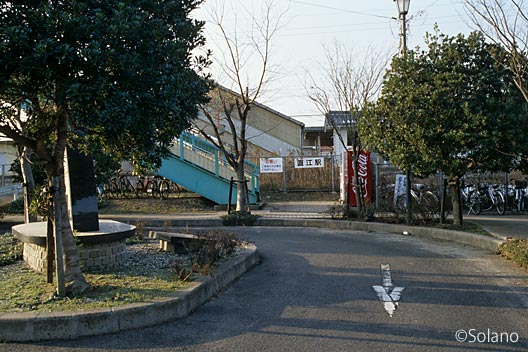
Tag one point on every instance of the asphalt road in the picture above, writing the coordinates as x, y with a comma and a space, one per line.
313, 292
509, 225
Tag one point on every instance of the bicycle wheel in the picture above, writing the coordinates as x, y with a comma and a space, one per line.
499, 203
430, 202
125, 190
474, 205
164, 189
401, 203
175, 190
139, 188
112, 189
152, 189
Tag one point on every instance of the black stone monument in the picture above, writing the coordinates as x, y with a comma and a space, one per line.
83, 192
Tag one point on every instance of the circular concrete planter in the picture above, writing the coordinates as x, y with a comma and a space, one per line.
22, 327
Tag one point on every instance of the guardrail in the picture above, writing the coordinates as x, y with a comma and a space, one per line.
15, 190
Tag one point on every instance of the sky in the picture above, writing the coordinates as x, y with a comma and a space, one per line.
306, 29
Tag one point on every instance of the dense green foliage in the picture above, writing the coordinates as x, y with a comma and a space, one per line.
452, 108
121, 73
114, 75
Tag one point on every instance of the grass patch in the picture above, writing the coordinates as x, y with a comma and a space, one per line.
516, 250
182, 205
146, 274
10, 249
467, 226
28, 291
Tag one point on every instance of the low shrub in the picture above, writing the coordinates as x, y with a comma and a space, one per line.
239, 218
10, 249
205, 252
14, 207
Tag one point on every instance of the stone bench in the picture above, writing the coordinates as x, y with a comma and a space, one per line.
175, 242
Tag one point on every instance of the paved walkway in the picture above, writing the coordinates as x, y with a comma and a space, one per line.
306, 209
509, 225
313, 292
502, 225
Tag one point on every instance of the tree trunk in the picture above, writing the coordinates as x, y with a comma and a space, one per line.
29, 183
242, 190
73, 277
443, 200
455, 198
408, 197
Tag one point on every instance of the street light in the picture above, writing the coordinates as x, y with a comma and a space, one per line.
403, 10
403, 6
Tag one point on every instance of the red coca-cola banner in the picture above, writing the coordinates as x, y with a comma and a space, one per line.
364, 172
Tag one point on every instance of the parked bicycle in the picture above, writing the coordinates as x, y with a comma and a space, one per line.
155, 187
119, 186
518, 194
470, 198
421, 197
488, 197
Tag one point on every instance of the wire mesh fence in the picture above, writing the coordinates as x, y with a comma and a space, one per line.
319, 173
294, 175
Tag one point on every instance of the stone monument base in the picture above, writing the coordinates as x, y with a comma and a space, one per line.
100, 250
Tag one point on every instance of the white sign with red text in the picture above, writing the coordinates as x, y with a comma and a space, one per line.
270, 165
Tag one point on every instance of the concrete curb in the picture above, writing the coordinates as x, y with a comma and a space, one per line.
24, 327
480, 241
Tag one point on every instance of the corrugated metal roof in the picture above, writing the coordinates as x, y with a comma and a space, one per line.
340, 119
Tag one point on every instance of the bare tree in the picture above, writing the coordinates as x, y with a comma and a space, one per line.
347, 85
246, 67
505, 22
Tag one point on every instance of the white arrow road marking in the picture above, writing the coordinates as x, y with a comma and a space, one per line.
387, 293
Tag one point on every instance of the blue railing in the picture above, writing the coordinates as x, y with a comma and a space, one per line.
207, 156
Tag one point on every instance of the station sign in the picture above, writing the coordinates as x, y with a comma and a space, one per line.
308, 163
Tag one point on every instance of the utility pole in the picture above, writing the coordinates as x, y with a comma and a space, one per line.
403, 9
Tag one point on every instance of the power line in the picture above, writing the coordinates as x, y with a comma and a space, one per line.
341, 10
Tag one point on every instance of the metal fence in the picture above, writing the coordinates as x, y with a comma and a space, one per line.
294, 177
385, 175
328, 178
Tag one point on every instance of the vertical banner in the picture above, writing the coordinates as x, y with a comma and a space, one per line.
365, 176
400, 187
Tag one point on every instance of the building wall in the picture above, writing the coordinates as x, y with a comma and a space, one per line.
8, 154
276, 125
268, 131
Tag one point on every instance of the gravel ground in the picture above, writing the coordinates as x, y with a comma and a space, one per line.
147, 257
140, 257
